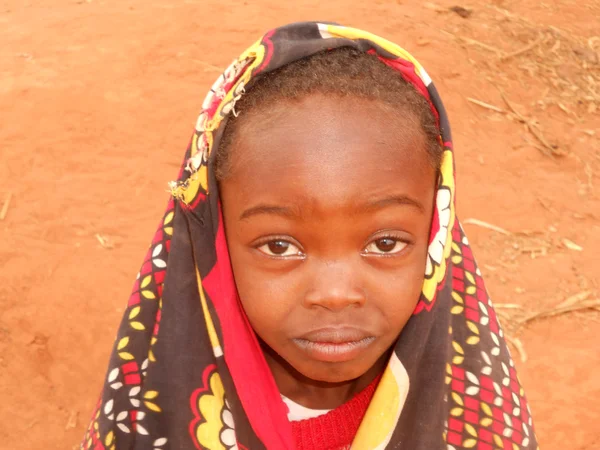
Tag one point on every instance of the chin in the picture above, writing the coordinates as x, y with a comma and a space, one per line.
334, 373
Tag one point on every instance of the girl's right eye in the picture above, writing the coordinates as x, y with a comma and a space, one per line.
280, 248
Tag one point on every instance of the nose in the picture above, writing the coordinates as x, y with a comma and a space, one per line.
334, 286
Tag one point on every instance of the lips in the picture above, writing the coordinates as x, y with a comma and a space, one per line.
335, 344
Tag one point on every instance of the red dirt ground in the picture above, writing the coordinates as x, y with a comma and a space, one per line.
97, 102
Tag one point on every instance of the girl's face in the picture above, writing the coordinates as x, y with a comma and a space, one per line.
327, 212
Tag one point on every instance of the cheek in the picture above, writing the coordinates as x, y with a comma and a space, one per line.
267, 301
397, 292
401, 294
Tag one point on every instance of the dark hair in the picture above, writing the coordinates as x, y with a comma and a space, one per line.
344, 72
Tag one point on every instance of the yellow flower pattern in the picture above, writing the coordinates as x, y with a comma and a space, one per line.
213, 426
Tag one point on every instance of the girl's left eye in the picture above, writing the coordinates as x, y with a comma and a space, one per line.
279, 247
385, 246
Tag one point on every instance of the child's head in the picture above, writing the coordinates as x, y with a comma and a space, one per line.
343, 72
331, 198
328, 178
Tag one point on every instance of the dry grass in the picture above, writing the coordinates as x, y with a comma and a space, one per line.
563, 67
514, 317
5, 206
489, 226
105, 241
567, 64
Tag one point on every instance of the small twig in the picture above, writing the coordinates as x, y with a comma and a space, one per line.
104, 242
593, 304
544, 204
481, 44
530, 249
507, 306
489, 226
497, 51
525, 49
5, 206
485, 105
529, 125
542, 150
516, 343
565, 109
72, 421
506, 318
573, 299
529, 233
572, 245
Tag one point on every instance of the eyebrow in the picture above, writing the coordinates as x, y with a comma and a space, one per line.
269, 209
374, 205
403, 200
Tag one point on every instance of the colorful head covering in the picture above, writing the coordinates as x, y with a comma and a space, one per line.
187, 371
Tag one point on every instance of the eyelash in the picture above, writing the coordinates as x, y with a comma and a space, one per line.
271, 239
392, 236
373, 239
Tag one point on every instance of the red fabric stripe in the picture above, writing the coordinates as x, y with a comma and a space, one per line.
408, 71
251, 375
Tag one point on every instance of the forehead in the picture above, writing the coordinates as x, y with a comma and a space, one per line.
329, 149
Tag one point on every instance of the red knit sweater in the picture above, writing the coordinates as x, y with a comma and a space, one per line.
336, 429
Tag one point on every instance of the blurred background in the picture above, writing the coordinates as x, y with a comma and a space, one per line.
98, 100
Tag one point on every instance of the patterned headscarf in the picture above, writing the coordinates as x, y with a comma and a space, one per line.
187, 370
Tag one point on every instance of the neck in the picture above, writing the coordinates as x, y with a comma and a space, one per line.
317, 394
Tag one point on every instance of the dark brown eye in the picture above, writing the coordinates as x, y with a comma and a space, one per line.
278, 247
386, 245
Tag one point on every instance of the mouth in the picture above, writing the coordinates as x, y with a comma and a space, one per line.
336, 344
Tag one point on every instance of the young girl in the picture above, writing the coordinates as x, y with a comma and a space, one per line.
309, 286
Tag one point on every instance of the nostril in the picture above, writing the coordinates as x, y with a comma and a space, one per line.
334, 300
